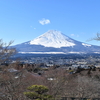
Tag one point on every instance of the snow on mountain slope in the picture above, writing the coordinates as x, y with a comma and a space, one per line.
54, 39
86, 45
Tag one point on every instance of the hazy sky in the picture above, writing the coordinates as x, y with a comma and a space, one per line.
24, 20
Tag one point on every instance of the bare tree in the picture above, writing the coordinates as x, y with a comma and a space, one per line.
12, 82
6, 51
55, 80
97, 38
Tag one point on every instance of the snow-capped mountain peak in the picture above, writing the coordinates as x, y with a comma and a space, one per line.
53, 38
54, 42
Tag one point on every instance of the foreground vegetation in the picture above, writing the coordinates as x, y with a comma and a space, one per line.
17, 82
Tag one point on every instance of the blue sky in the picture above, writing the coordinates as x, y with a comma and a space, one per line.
24, 20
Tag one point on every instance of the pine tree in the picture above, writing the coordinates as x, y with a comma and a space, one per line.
38, 92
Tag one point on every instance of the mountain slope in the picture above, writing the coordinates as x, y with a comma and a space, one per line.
55, 41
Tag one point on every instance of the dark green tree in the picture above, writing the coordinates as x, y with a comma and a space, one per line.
38, 92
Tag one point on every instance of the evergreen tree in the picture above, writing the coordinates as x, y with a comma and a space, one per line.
38, 92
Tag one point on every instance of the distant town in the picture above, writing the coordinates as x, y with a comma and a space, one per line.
64, 61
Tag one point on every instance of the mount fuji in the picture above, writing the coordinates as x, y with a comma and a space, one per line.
55, 42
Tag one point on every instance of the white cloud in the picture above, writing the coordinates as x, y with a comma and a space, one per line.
32, 27
44, 21
72, 34
75, 35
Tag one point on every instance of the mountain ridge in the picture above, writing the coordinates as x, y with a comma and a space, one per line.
56, 42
